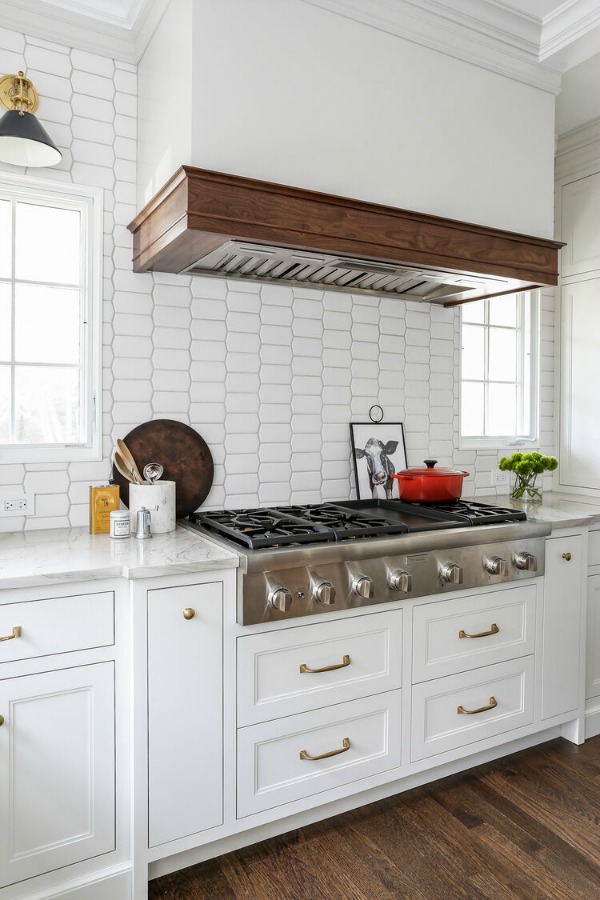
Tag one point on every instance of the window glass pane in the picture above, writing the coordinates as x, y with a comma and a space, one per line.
5, 323
502, 409
473, 312
471, 409
5, 239
5, 404
47, 244
46, 324
473, 352
503, 311
47, 401
503, 355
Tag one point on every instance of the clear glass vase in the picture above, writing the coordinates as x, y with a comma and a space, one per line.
524, 487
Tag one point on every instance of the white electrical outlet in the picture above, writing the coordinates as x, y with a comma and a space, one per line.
500, 478
17, 505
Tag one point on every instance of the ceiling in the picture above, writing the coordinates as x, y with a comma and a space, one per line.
559, 36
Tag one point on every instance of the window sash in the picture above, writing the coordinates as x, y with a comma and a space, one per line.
524, 430
88, 202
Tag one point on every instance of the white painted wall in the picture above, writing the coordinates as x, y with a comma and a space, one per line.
164, 104
288, 92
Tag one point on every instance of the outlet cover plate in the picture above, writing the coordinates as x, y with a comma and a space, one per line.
17, 505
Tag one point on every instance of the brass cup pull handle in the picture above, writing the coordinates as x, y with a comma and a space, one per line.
493, 630
16, 632
567, 556
345, 662
473, 712
345, 746
189, 613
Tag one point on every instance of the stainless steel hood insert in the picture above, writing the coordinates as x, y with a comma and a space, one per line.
235, 259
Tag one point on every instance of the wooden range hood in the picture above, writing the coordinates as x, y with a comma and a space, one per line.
209, 223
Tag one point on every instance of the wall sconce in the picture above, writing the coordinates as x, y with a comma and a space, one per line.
23, 141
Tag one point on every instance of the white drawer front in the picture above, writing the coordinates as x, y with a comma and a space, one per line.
56, 625
501, 625
361, 656
438, 726
270, 768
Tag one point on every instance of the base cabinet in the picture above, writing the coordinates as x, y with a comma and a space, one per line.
185, 714
57, 773
561, 635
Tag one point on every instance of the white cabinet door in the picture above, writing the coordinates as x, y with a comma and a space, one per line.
592, 680
580, 374
57, 778
185, 719
561, 646
580, 225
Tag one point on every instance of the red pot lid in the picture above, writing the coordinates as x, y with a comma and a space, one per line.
430, 470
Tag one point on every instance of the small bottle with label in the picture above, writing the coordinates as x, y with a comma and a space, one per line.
120, 523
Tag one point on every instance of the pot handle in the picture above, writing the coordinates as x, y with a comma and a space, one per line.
464, 473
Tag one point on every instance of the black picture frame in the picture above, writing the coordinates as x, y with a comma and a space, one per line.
382, 435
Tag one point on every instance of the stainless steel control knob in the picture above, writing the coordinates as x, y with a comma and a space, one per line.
451, 573
280, 599
495, 565
324, 593
364, 587
400, 581
526, 561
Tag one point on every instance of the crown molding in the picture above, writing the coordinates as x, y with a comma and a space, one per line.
52, 23
578, 151
146, 24
578, 138
571, 33
63, 26
490, 35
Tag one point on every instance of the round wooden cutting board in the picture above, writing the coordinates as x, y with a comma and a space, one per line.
183, 454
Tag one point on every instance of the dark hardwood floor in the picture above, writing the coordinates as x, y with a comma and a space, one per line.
526, 826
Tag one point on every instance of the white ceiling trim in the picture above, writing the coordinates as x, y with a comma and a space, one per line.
575, 22
489, 35
64, 26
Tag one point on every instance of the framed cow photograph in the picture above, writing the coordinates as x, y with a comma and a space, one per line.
378, 451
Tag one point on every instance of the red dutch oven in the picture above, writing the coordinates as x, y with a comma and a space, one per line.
430, 485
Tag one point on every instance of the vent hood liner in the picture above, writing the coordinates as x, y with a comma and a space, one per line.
209, 223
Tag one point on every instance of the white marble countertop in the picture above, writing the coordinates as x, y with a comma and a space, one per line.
559, 510
32, 558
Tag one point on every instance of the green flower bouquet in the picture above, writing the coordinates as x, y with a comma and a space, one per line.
527, 467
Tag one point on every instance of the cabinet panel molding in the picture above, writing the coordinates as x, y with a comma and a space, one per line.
57, 777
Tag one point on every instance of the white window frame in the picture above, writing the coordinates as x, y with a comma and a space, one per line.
528, 377
90, 201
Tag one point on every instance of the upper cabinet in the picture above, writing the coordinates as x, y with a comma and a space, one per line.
578, 219
580, 225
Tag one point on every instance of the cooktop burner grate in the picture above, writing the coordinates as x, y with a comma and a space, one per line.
282, 526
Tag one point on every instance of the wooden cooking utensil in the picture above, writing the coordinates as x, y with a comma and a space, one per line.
122, 466
131, 463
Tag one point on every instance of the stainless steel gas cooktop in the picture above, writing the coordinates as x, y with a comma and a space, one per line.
308, 559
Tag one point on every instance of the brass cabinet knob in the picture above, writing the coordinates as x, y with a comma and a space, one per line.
1, 720
189, 613
566, 556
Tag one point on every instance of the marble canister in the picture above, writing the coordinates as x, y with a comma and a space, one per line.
159, 498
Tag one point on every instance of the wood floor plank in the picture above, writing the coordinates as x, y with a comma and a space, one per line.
526, 827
